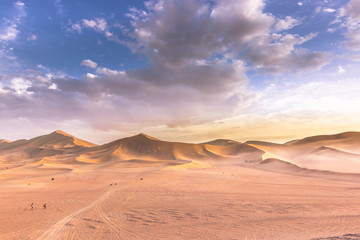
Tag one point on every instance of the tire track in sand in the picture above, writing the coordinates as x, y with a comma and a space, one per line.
55, 231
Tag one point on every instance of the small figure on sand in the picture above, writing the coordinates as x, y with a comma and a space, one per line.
32, 206
44, 206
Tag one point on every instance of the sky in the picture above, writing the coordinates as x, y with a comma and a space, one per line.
179, 70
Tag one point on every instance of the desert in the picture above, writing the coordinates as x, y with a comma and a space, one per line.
180, 119
141, 187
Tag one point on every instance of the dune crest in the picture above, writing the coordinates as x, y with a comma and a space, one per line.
221, 142
338, 152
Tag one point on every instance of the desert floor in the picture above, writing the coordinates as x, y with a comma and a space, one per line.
205, 201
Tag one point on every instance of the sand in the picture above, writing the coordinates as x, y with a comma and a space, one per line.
140, 189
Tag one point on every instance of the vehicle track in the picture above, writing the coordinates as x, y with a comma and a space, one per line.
66, 227
58, 228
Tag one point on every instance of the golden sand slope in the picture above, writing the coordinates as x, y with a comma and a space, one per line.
144, 147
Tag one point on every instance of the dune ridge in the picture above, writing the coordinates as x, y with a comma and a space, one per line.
144, 147
337, 152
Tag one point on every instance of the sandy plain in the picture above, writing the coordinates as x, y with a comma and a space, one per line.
144, 188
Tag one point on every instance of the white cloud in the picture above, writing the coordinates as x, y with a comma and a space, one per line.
21, 10
108, 34
300, 3
99, 24
88, 63
329, 10
287, 23
331, 30
340, 69
53, 86
20, 4
9, 33
20, 85
106, 71
90, 75
76, 27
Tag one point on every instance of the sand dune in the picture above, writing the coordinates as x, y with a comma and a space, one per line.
277, 163
262, 143
141, 187
348, 141
58, 143
351, 137
221, 142
338, 152
54, 140
328, 152
144, 147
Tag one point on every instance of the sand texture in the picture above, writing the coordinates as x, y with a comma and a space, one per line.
143, 188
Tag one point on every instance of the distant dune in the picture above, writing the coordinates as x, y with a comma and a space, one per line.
54, 140
262, 143
351, 137
338, 152
42, 148
221, 142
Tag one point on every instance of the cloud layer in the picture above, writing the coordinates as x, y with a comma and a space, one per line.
198, 54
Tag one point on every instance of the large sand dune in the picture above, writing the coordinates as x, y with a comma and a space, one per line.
141, 187
338, 152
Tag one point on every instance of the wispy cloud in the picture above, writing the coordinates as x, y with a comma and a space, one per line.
329, 10
98, 24
9, 29
88, 63
9, 32
32, 37
287, 23
350, 18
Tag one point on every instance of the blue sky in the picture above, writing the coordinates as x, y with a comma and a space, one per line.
186, 70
